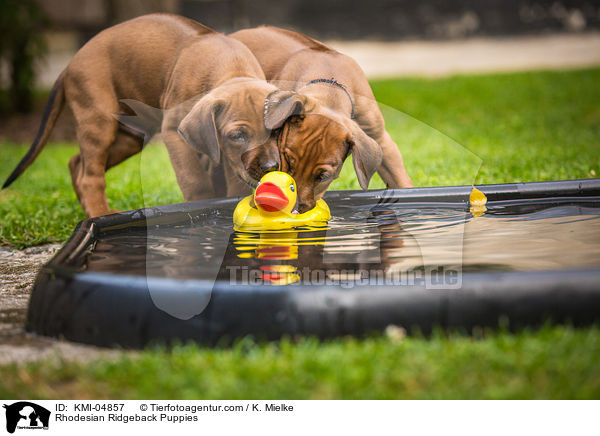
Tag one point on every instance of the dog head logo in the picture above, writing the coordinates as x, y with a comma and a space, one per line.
26, 415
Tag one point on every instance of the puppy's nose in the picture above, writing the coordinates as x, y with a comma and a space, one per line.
269, 165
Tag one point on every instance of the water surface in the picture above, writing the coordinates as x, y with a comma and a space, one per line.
509, 236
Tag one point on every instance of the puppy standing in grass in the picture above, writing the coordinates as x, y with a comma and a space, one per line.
332, 111
164, 61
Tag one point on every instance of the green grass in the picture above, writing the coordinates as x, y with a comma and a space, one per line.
520, 127
458, 130
42, 207
551, 363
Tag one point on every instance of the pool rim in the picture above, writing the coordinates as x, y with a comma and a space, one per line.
61, 306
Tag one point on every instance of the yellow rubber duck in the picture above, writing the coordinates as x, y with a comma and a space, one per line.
274, 200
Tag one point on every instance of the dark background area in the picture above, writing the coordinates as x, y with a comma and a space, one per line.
348, 19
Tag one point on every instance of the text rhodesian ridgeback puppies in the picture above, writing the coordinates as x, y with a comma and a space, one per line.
209, 88
332, 111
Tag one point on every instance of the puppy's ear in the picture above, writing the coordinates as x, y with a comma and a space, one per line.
366, 155
139, 118
280, 105
199, 129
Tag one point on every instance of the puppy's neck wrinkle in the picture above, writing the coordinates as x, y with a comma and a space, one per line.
339, 85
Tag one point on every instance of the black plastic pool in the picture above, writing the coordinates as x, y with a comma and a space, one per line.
415, 258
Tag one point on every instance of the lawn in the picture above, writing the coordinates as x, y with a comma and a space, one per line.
550, 363
458, 130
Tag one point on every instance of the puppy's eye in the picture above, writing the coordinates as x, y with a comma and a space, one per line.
321, 177
296, 119
289, 159
292, 188
239, 136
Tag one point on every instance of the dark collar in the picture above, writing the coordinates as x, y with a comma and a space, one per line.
339, 85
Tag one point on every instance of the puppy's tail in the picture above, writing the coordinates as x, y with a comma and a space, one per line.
51, 113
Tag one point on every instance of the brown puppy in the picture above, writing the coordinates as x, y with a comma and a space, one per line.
167, 62
333, 113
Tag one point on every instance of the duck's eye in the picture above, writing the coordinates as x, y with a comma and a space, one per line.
292, 188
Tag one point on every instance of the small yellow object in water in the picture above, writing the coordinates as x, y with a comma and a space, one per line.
477, 200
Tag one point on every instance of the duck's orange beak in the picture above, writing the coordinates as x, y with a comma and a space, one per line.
270, 197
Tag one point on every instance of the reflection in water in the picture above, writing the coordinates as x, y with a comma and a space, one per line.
277, 247
361, 239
